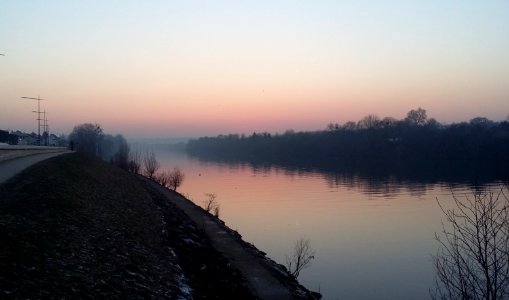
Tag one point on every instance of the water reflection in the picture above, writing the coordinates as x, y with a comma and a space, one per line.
368, 230
382, 178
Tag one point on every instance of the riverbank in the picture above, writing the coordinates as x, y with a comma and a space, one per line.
74, 226
264, 277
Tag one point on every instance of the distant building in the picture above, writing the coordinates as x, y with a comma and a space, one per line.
31, 139
26, 138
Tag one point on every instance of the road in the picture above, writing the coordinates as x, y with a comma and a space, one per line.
11, 167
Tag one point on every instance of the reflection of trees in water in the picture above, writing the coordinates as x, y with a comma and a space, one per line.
388, 188
385, 178
473, 188
418, 190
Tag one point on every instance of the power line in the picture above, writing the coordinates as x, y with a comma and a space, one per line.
38, 116
45, 126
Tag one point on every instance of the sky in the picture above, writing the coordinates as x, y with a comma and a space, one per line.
194, 68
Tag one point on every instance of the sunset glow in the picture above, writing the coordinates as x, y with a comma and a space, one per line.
192, 68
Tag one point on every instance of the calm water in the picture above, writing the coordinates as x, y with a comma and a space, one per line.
373, 238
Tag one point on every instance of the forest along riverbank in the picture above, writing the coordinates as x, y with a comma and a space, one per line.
75, 226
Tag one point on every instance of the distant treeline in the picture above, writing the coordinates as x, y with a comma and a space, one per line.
415, 137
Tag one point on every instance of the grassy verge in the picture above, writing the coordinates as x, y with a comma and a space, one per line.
74, 226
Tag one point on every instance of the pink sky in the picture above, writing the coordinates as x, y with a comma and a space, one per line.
171, 69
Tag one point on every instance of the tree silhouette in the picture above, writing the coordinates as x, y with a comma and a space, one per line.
301, 257
211, 205
135, 161
175, 178
369, 121
473, 262
414, 138
87, 138
150, 164
417, 117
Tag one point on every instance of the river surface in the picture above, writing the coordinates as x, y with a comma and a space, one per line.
373, 237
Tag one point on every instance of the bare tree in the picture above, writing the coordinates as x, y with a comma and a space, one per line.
417, 117
163, 178
150, 164
301, 257
350, 126
135, 161
473, 262
120, 152
368, 122
176, 177
216, 211
211, 203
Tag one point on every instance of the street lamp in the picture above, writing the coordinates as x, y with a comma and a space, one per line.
38, 116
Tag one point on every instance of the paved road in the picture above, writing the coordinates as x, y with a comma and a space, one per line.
11, 167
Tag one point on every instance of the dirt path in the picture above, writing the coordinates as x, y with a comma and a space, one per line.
11, 167
261, 281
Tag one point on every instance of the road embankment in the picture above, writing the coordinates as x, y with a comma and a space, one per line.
8, 152
76, 227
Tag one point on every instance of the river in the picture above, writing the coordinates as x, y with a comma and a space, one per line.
373, 236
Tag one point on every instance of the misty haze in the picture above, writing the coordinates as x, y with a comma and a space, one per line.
254, 150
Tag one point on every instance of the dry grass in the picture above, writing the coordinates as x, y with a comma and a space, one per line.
77, 227
74, 226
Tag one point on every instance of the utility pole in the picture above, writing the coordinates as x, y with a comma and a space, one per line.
38, 116
46, 130
45, 127
38, 120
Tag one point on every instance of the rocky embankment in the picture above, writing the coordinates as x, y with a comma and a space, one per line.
265, 278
